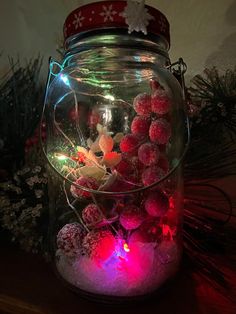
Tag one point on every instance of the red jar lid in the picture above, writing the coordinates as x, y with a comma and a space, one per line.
110, 14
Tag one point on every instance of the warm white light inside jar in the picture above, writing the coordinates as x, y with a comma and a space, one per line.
115, 123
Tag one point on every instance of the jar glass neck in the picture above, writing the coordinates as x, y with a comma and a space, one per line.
111, 44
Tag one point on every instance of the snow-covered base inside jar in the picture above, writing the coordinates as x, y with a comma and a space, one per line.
143, 268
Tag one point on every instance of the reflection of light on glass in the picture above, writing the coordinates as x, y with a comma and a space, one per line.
109, 97
107, 116
105, 85
146, 70
65, 79
147, 58
61, 156
126, 126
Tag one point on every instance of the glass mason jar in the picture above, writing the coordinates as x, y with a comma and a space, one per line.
115, 140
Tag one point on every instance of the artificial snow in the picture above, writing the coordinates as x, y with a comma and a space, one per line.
140, 271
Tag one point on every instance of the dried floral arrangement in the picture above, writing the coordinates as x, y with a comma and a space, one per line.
24, 205
23, 195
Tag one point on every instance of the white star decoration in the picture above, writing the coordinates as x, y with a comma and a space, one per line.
137, 16
78, 20
108, 13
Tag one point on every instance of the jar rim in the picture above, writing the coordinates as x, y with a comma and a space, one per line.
116, 38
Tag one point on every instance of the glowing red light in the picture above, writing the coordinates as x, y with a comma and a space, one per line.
126, 248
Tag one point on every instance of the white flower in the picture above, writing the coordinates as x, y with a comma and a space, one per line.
78, 20
108, 13
136, 16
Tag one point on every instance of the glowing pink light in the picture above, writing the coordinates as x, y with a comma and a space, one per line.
126, 247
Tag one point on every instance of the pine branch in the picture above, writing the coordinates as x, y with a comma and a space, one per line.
215, 97
20, 106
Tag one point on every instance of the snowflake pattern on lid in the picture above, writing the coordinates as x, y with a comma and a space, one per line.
78, 20
108, 13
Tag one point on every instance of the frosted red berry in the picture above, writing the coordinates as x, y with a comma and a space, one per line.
131, 217
156, 204
69, 239
139, 167
142, 104
86, 182
151, 175
160, 131
140, 126
160, 102
148, 154
92, 214
129, 143
124, 168
131, 168
99, 244
128, 168
137, 164
149, 231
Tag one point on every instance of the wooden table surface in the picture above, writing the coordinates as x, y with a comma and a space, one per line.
29, 286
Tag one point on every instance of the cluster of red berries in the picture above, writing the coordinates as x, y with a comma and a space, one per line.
150, 132
73, 241
143, 161
144, 223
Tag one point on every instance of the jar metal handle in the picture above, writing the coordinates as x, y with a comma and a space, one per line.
178, 69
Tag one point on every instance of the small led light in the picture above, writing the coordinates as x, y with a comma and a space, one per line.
126, 247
